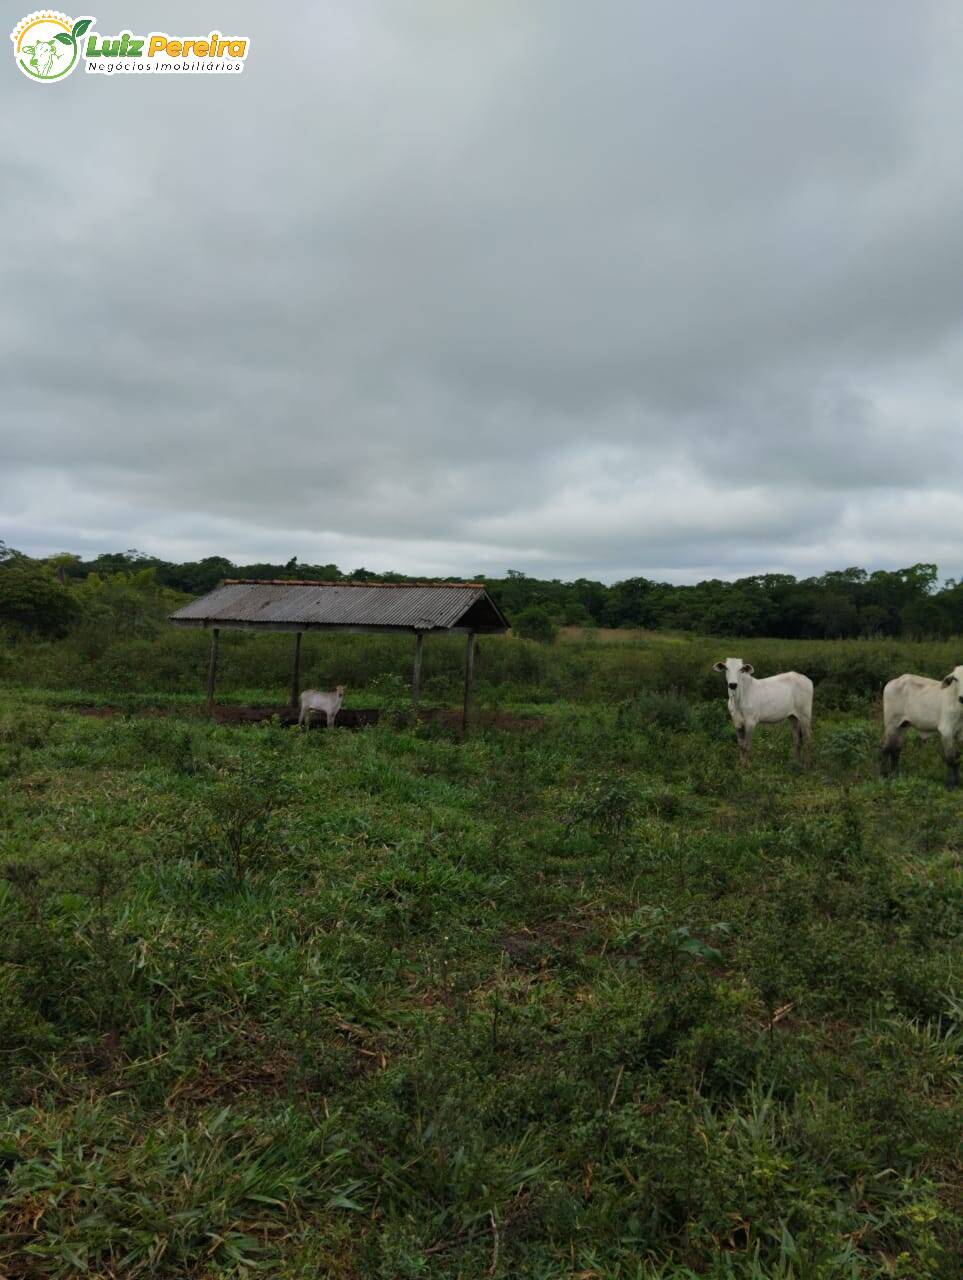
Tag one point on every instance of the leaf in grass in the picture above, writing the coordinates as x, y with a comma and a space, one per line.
696, 947
341, 1200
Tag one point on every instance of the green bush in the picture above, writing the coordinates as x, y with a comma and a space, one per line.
663, 710
31, 598
535, 623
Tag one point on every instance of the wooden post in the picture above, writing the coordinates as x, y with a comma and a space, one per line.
416, 671
296, 674
469, 673
212, 670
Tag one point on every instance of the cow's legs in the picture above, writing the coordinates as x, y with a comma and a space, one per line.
953, 773
330, 716
892, 746
951, 754
301, 718
744, 736
802, 738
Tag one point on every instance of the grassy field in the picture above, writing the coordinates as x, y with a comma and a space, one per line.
584, 1001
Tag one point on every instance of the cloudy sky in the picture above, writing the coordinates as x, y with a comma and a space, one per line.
671, 288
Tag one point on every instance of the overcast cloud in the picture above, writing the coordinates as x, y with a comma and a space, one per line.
450, 286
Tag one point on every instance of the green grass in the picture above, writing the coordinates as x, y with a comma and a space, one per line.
585, 1001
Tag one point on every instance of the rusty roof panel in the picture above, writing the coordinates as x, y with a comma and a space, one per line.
416, 607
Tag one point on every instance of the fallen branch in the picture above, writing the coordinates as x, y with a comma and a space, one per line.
491, 1269
615, 1091
781, 1013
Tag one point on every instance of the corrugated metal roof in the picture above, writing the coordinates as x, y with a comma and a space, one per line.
413, 607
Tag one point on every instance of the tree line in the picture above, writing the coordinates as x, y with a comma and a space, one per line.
133, 591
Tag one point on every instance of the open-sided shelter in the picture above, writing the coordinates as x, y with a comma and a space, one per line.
418, 609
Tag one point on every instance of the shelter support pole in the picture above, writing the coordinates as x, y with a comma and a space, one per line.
296, 673
416, 671
212, 669
469, 675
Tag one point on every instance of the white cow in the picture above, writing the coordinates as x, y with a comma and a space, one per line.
930, 706
788, 696
46, 56
314, 700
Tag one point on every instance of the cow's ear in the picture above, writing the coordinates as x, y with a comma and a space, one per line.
719, 666
748, 668
947, 681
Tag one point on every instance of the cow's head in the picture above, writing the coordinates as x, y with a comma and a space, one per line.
42, 56
339, 690
954, 681
734, 669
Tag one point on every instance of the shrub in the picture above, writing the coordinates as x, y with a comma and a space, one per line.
847, 745
664, 710
536, 623
32, 598
239, 809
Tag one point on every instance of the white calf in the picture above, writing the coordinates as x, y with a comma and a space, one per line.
788, 696
314, 700
930, 706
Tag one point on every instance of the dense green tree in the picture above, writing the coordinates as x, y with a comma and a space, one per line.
875, 620
835, 616
196, 577
951, 602
128, 604
535, 623
922, 618
32, 597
